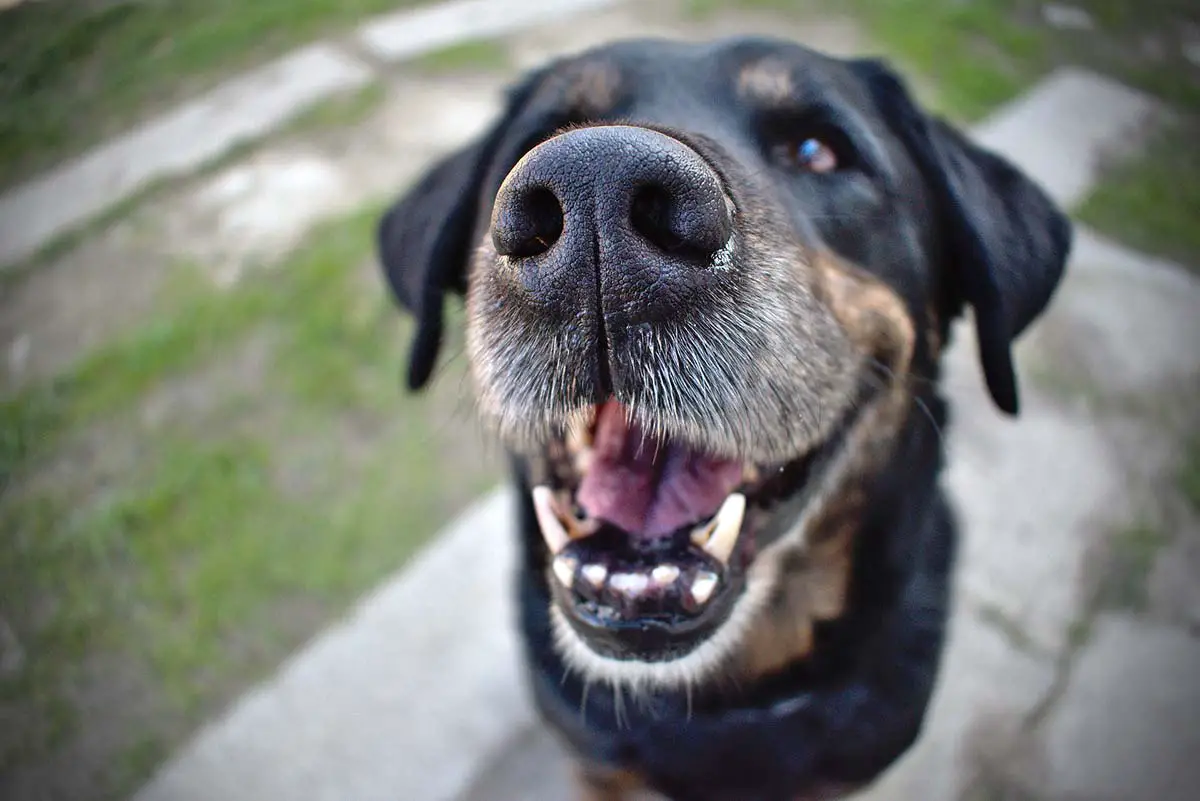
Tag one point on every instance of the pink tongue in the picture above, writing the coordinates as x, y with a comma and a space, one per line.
647, 487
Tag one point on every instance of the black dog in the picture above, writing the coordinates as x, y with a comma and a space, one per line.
708, 288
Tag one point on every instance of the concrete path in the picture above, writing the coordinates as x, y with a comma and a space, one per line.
1046, 692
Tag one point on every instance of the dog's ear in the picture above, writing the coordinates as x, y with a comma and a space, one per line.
425, 238
1007, 241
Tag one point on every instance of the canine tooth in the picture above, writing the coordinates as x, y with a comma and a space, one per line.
703, 586
552, 528
631, 584
579, 439
664, 575
726, 527
595, 574
564, 569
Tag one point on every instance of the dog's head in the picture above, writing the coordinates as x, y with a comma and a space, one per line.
707, 286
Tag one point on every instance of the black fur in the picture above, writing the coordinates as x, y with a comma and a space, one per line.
1006, 243
949, 225
425, 238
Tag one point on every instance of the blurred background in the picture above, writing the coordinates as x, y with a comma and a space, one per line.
206, 457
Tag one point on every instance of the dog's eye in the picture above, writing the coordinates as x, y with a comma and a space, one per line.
809, 141
813, 155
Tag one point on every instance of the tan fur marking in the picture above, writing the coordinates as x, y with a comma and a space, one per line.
872, 314
593, 88
814, 590
603, 784
767, 81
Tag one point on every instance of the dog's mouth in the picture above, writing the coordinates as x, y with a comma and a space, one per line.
651, 538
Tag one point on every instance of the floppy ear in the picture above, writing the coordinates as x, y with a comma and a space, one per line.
1007, 241
425, 238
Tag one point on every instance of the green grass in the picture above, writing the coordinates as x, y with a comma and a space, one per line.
1151, 202
342, 110
1189, 473
72, 73
476, 54
1008, 627
183, 335
1132, 554
226, 534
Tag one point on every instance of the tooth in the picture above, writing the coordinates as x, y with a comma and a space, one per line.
703, 586
564, 569
579, 440
751, 474
558, 529
631, 584
726, 526
595, 574
579, 430
552, 528
664, 575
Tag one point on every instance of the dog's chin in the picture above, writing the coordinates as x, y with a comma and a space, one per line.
662, 554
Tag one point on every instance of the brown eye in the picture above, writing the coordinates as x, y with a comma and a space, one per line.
813, 155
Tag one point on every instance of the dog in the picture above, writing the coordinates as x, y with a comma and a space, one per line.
708, 287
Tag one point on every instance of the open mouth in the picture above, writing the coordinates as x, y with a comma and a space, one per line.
651, 538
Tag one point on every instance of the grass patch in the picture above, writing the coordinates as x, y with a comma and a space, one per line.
74, 73
1132, 554
197, 324
1080, 632
228, 534
993, 787
475, 54
1189, 473
344, 109
1004, 623
1150, 201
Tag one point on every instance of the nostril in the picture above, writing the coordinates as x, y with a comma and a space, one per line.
690, 227
528, 224
650, 216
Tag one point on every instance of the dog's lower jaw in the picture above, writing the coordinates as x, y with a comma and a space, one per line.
711, 658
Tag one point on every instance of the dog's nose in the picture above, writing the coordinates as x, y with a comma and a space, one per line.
622, 199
